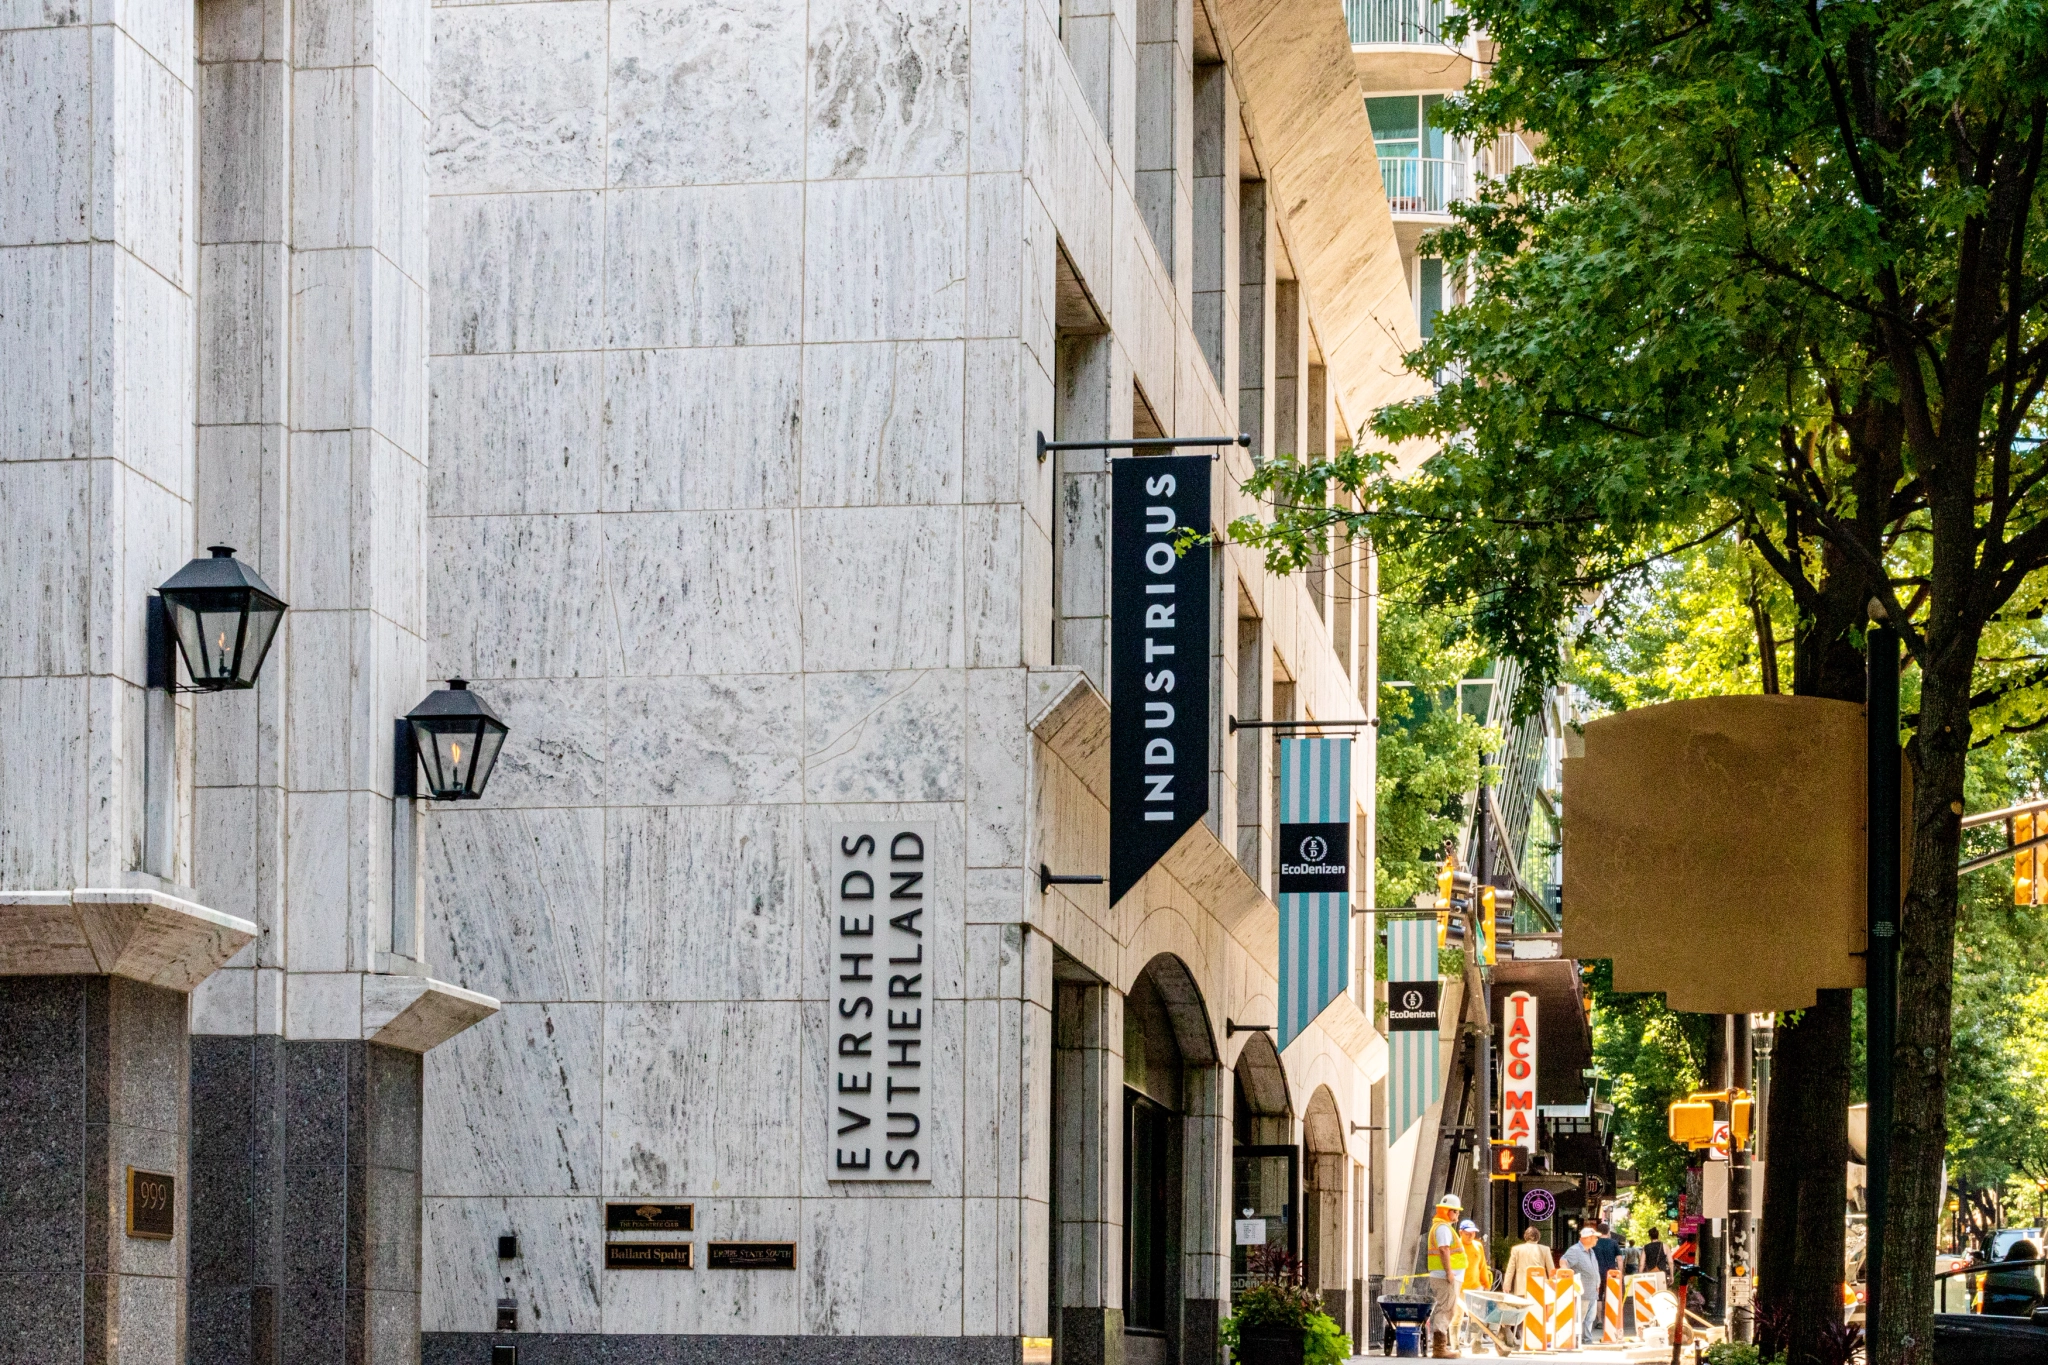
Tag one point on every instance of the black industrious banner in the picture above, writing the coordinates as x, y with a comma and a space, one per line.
1158, 660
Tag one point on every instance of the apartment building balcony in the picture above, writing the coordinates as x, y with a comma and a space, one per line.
1424, 186
1400, 45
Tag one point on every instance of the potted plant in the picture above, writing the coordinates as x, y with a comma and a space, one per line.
1277, 1320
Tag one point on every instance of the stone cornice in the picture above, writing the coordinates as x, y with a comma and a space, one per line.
146, 936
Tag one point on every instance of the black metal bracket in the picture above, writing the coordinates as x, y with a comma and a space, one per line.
1236, 724
1243, 438
1048, 879
1368, 1128
1231, 1028
405, 763
163, 663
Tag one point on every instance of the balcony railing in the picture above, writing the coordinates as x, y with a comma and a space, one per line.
1421, 184
1395, 21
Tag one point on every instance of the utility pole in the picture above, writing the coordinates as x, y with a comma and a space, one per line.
1881, 961
1741, 1212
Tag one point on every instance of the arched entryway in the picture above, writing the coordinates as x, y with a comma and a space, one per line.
1325, 1169
1265, 1167
1169, 1088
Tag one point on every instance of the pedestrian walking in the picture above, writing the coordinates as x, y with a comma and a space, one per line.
1655, 1257
1584, 1263
1530, 1255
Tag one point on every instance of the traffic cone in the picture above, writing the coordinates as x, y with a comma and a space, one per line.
1610, 1308
1564, 1311
1536, 1321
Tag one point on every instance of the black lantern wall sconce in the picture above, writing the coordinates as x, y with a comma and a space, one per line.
223, 618
452, 738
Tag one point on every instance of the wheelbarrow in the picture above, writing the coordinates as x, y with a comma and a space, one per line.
1498, 1315
1407, 1319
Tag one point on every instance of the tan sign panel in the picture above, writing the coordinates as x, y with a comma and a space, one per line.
1714, 849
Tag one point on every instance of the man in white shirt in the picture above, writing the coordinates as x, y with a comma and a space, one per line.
1584, 1263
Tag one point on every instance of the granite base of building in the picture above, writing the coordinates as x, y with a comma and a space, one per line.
305, 1199
1091, 1336
586, 1348
92, 1083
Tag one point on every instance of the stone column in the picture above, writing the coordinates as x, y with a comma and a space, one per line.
1087, 1168
93, 1081
1205, 1212
1255, 330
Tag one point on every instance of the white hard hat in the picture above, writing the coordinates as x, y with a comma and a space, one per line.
1468, 1226
1450, 1201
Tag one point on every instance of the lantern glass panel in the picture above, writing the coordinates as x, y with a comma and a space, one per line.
265, 615
488, 740
209, 627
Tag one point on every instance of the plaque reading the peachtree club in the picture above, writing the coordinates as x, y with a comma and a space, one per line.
649, 1217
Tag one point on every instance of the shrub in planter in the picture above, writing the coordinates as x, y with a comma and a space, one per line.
1279, 1322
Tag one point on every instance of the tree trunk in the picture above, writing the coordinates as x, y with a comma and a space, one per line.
1926, 988
1800, 1251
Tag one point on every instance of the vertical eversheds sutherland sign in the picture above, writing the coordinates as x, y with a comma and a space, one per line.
1158, 660
879, 1059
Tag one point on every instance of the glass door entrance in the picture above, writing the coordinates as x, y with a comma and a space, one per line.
1265, 1192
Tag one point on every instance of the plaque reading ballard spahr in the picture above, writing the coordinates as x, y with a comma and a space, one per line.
648, 1255
885, 924
1411, 1006
1158, 660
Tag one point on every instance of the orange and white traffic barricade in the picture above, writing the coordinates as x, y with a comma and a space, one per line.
1610, 1308
1643, 1290
1565, 1303
1536, 1321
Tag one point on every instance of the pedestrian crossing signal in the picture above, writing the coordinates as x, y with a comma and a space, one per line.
1510, 1159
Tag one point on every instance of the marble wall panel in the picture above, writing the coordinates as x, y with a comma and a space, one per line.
518, 97
1000, 895
318, 671
881, 588
994, 593
515, 901
559, 750
47, 357
670, 126
397, 328
512, 1106
996, 125
49, 128
243, 127
321, 477
885, 259
43, 802
888, 88
702, 903
998, 768
994, 265
144, 393
46, 542
885, 736
705, 266
517, 433
142, 134
554, 1278
705, 739
992, 1262
918, 1240
242, 287
317, 882
998, 458
701, 1099
882, 423
702, 592
518, 621
714, 428
517, 273
716, 1301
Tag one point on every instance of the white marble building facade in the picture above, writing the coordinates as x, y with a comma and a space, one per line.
673, 370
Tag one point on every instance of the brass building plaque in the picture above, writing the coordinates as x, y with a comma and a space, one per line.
649, 1217
750, 1255
648, 1255
152, 1205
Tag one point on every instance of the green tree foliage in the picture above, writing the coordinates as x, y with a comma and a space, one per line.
1779, 268
1429, 754
1648, 1056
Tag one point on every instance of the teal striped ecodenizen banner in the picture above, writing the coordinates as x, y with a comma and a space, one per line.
1414, 1070
1315, 926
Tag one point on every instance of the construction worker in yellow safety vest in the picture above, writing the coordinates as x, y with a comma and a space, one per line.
1478, 1273
1446, 1276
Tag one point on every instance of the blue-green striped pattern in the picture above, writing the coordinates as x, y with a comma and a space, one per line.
1315, 928
1414, 1062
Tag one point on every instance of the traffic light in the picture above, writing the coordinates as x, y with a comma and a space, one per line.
1488, 927
1509, 1159
2025, 886
1692, 1121
1741, 1113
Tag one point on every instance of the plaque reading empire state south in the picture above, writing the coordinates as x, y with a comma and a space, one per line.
750, 1255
